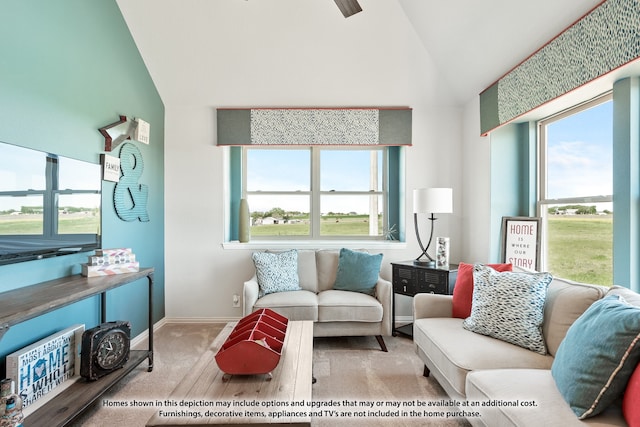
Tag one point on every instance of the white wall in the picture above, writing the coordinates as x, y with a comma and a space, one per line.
476, 187
279, 53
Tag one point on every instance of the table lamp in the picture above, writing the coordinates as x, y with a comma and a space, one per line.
430, 201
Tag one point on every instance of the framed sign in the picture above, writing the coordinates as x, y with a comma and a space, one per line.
521, 241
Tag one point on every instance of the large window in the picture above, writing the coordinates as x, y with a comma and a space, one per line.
575, 192
317, 192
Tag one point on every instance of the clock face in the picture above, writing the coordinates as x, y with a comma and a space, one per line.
112, 349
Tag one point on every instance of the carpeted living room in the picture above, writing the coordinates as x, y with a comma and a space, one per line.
319, 212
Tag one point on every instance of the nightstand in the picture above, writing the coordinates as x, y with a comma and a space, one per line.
409, 279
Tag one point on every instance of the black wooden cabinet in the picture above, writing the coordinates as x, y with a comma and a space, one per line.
409, 279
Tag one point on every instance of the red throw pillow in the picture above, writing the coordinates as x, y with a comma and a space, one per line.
630, 407
463, 291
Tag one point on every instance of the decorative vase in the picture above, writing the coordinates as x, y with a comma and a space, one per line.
442, 252
244, 227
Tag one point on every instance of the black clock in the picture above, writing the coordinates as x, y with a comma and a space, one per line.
105, 348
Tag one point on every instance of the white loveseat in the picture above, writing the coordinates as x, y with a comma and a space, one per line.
335, 312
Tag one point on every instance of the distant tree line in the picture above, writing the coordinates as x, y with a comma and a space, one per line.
576, 209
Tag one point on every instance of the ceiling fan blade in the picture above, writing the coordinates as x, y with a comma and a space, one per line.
348, 7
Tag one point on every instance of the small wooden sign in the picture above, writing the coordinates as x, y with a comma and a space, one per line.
521, 242
110, 168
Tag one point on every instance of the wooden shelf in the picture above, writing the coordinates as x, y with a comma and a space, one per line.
67, 405
22, 304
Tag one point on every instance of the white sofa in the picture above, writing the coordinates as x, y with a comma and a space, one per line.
335, 312
479, 368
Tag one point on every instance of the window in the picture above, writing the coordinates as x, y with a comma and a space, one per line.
575, 192
317, 192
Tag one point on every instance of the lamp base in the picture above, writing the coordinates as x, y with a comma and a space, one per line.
426, 263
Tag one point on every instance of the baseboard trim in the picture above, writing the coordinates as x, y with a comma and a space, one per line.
185, 320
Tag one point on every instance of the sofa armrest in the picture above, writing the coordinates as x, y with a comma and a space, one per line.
432, 305
250, 294
383, 294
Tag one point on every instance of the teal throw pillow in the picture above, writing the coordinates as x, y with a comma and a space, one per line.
509, 306
357, 271
277, 272
598, 355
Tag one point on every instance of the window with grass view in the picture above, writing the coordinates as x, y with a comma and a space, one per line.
316, 192
576, 187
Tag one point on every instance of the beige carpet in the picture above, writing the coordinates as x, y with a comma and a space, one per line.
346, 369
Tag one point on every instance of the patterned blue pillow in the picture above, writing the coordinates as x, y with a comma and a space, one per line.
357, 272
277, 272
509, 306
598, 355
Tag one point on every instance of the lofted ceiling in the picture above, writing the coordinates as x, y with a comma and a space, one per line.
471, 43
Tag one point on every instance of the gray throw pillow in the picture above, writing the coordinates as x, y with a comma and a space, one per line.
509, 306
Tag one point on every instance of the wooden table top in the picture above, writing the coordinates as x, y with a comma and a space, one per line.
205, 398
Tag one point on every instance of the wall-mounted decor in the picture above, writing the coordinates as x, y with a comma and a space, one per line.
521, 241
314, 126
605, 39
118, 132
143, 129
130, 197
110, 168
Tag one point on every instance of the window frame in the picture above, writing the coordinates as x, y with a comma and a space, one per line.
543, 202
315, 193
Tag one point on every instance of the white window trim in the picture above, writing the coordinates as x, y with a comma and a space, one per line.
543, 202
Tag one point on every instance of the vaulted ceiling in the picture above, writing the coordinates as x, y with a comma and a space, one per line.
472, 43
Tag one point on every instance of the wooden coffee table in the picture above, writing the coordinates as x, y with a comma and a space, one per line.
207, 390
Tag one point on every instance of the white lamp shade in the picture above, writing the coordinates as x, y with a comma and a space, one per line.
433, 200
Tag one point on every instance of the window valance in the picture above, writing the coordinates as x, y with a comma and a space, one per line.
603, 40
314, 126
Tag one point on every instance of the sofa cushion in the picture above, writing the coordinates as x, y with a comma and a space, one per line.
630, 407
566, 301
294, 305
456, 351
340, 306
527, 385
357, 271
598, 355
463, 291
327, 265
277, 272
509, 306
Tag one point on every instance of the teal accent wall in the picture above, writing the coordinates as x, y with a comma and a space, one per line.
396, 192
67, 68
626, 183
513, 178
235, 191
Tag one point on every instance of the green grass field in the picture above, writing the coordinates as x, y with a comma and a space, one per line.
32, 224
347, 225
580, 248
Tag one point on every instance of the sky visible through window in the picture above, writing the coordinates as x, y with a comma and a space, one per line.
290, 170
579, 154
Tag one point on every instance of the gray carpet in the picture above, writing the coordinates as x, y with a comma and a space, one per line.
348, 370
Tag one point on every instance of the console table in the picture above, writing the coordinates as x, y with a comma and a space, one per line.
25, 303
410, 279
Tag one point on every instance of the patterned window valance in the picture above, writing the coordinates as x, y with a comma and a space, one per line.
314, 126
605, 39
